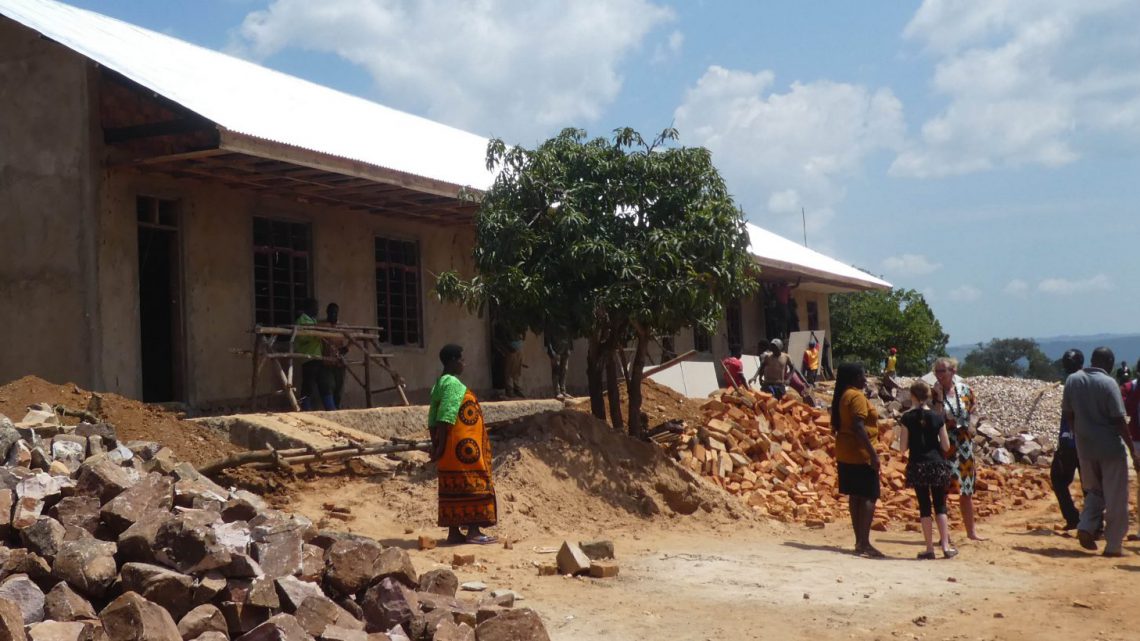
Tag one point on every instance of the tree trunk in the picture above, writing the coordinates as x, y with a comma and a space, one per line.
613, 388
594, 379
636, 368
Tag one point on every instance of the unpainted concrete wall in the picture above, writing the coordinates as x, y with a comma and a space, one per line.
47, 198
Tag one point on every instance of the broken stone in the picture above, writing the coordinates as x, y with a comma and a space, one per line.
443, 582
150, 495
9, 436
263, 593
70, 451
600, 570
351, 564
200, 490
139, 542
243, 505
43, 537
394, 562
487, 612
460, 560
1001, 456
599, 550
241, 618
7, 502
27, 596
242, 566
103, 478
293, 591
337, 633
19, 455
213, 636
571, 559
281, 627
312, 563
21, 561
64, 604
448, 630
11, 622
501, 598
87, 565
163, 461
170, 589
209, 586
133, 618
318, 612
473, 586
40, 459
188, 543
77, 511
513, 625
103, 431
146, 450
234, 536
387, 604
58, 468
278, 549
61, 631
200, 620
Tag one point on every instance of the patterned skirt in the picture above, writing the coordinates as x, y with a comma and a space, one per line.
961, 458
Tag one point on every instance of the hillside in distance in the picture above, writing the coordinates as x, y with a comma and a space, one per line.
1125, 346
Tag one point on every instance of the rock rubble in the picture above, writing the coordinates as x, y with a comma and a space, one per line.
103, 540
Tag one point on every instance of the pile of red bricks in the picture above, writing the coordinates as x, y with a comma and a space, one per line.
778, 457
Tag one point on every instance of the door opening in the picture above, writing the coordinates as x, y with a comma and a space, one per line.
160, 301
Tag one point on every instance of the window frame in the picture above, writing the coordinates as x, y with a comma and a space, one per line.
269, 250
416, 271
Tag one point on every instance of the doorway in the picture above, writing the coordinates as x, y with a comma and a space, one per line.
160, 300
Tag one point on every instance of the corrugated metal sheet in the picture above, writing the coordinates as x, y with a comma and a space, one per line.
778, 251
247, 98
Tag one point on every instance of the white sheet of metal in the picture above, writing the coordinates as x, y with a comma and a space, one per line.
768, 246
250, 99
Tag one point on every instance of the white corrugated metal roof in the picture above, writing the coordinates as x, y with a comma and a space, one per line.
250, 99
776, 251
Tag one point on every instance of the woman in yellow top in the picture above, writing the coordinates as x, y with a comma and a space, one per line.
856, 427
461, 446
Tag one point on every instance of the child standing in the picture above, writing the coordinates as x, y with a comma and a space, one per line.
927, 471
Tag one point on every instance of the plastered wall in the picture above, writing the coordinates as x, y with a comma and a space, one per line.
48, 302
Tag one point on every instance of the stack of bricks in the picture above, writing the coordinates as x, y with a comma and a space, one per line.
778, 457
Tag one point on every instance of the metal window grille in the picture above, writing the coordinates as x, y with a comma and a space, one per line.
734, 322
282, 270
398, 310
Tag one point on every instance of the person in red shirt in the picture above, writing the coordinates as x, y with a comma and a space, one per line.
734, 367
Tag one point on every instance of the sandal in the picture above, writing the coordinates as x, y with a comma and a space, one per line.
926, 556
482, 539
948, 553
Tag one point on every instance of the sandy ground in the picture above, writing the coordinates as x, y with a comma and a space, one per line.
696, 578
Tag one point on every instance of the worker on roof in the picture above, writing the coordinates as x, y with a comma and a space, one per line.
462, 449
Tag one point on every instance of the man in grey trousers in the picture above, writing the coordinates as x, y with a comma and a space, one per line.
1093, 406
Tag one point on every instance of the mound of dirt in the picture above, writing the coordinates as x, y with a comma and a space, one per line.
559, 471
132, 420
660, 404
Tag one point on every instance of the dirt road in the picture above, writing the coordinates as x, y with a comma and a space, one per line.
686, 578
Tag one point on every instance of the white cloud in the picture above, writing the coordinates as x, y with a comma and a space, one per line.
1017, 287
1066, 287
912, 264
509, 68
670, 49
784, 151
964, 294
1028, 82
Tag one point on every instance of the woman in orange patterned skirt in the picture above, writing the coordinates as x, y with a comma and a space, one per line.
463, 451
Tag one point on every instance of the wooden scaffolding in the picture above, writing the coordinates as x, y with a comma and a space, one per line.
275, 346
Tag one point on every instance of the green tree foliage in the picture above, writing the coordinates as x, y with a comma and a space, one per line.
865, 325
1017, 357
614, 240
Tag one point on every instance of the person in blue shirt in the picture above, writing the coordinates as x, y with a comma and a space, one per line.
1065, 461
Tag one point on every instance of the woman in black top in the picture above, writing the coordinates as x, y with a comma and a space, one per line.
927, 471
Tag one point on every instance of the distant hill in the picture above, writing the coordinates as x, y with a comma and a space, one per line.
1125, 346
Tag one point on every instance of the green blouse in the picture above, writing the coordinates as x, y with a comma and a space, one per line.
446, 397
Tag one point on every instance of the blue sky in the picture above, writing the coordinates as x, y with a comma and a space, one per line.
984, 153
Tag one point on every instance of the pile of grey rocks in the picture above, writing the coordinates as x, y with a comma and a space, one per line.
108, 541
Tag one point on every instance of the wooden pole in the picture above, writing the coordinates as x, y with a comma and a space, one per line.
255, 367
270, 458
286, 384
669, 363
